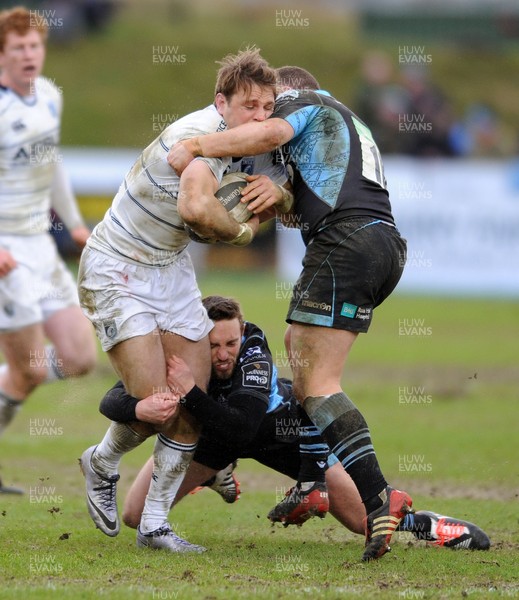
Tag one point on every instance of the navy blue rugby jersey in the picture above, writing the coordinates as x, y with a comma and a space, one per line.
333, 162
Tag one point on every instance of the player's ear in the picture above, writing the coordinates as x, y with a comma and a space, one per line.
220, 101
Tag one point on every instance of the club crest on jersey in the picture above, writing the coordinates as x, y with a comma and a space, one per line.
18, 125
251, 352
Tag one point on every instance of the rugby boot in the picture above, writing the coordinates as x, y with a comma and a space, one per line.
100, 496
164, 538
380, 524
300, 505
448, 532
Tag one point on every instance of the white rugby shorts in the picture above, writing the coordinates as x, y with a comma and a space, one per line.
38, 286
125, 300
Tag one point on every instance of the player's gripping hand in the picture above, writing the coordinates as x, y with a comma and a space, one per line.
157, 409
7, 262
179, 376
179, 156
263, 194
260, 192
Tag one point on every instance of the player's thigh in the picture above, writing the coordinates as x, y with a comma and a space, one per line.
318, 357
196, 354
140, 363
72, 336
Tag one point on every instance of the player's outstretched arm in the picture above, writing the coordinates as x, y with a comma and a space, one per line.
64, 203
248, 139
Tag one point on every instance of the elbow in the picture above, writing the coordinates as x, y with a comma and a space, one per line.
197, 211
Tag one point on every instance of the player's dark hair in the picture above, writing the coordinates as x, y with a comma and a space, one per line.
222, 309
296, 78
241, 71
20, 20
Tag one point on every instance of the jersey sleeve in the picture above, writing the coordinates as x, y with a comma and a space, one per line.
234, 423
297, 109
254, 370
218, 166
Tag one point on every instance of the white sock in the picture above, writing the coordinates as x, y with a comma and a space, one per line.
8, 409
171, 460
118, 440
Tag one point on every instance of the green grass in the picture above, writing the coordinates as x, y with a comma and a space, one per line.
466, 432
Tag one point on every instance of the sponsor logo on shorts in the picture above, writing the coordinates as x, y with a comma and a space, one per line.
256, 374
318, 305
351, 311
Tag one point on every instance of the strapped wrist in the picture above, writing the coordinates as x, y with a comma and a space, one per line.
287, 200
244, 236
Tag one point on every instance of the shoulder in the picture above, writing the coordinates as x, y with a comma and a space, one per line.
293, 100
207, 120
47, 88
255, 365
49, 93
6, 98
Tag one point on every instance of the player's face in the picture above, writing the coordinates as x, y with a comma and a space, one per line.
225, 339
22, 61
245, 106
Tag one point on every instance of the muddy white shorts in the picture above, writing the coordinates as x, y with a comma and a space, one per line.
125, 300
38, 286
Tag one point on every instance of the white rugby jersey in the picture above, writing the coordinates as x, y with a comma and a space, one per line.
143, 224
29, 136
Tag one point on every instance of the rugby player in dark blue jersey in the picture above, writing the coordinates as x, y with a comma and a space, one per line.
354, 259
248, 412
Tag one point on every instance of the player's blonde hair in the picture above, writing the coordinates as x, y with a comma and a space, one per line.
241, 71
20, 21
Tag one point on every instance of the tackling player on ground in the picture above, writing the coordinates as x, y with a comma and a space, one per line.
249, 412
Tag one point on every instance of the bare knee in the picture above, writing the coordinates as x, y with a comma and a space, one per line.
77, 362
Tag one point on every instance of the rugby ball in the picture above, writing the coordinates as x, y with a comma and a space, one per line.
229, 195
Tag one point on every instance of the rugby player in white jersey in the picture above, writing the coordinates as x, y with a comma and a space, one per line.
138, 287
38, 296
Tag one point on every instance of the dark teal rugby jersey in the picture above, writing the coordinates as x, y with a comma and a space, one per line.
334, 163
